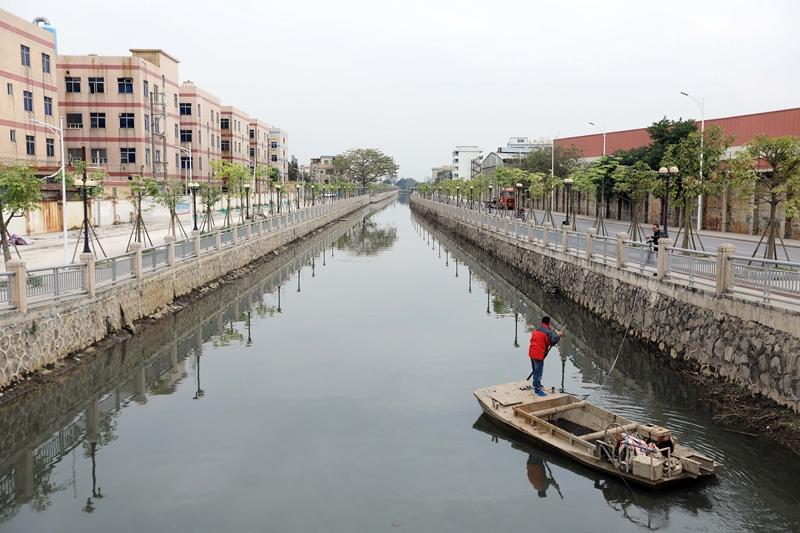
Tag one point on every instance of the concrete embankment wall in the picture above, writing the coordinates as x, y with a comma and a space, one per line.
753, 345
51, 331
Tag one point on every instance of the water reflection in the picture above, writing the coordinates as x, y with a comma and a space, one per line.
368, 237
78, 412
649, 510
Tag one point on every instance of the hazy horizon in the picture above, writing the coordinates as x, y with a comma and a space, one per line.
417, 78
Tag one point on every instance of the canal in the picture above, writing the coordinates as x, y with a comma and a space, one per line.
330, 389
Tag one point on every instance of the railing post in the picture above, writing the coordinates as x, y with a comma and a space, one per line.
271, 223
621, 249
664, 246
196, 237
564, 236
589, 238
19, 284
724, 267
260, 227
249, 232
530, 231
218, 238
137, 247
89, 274
235, 233
169, 240
505, 226
545, 236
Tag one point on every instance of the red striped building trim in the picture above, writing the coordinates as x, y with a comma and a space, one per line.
32, 37
29, 81
102, 66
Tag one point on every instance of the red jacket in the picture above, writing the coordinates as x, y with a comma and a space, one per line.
542, 339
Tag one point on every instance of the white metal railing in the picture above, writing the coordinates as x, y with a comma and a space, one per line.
54, 281
6, 283
115, 269
768, 279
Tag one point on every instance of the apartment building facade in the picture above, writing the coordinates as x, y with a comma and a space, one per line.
123, 111
235, 143
278, 149
466, 161
200, 115
258, 136
321, 169
29, 92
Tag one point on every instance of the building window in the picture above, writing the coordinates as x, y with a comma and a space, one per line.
185, 163
75, 120
48, 106
157, 160
199, 137
147, 123
186, 109
125, 85
225, 123
273, 144
12, 134
46, 63
186, 136
97, 85
73, 84
226, 146
252, 153
156, 125
99, 156
177, 132
147, 155
252, 134
30, 145
199, 110
273, 157
175, 99
74, 155
97, 120
50, 147
200, 160
26, 55
27, 100
126, 120
127, 155
10, 89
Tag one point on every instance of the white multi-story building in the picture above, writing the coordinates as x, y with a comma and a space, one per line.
523, 145
464, 158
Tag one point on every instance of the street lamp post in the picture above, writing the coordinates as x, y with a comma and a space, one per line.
472, 197
299, 191
188, 152
85, 184
458, 196
278, 187
519, 199
665, 173
568, 184
59, 132
193, 187
701, 104
491, 195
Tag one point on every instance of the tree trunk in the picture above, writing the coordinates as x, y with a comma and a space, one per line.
687, 222
4, 237
773, 229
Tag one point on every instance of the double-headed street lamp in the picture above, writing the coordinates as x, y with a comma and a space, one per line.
59, 132
519, 199
193, 187
665, 173
458, 196
85, 184
189, 162
472, 197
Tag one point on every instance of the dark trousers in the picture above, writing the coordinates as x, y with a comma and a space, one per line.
538, 369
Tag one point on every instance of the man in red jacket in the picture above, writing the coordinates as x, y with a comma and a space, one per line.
542, 339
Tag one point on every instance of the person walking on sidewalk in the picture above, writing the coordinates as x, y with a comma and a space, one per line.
542, 339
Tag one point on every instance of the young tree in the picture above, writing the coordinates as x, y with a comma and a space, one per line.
688, 185
635, 182
234, 175
294, 170
562, 162
169, 194
778, 184
141, 188
210, 194
365, 165
19, 192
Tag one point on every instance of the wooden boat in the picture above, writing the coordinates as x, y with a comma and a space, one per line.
644, 454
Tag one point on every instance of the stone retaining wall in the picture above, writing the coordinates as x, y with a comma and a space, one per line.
753, 345
50, 331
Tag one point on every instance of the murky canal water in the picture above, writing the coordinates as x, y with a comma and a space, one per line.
344, 403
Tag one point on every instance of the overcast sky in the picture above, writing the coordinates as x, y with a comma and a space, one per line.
415, 78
